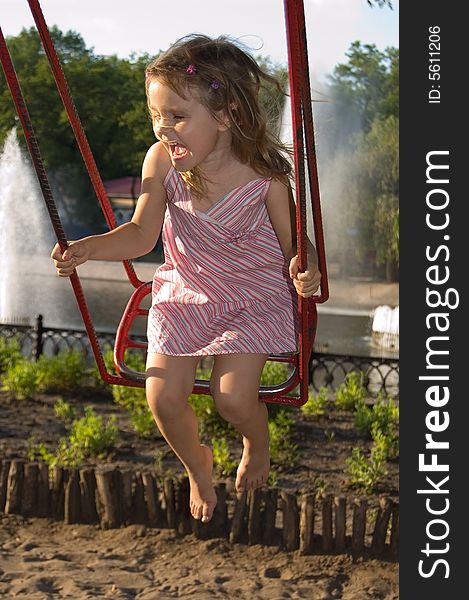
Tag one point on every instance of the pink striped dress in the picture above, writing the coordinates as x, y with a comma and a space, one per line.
224, 286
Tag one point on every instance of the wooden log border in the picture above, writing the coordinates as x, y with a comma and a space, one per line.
113, 498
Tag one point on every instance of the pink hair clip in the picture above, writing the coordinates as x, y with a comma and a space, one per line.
215, 84
191, 70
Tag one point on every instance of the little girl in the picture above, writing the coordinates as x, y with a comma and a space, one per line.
217, 184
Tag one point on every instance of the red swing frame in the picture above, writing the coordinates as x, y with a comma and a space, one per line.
302, 120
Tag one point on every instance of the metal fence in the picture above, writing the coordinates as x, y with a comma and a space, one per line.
381, 375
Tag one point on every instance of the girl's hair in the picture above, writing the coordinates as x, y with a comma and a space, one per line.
228, 79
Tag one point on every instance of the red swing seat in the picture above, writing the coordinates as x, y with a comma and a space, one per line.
124, 341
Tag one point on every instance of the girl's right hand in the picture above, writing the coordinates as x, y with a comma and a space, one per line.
76, 254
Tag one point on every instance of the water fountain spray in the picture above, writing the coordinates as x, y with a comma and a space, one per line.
26, 236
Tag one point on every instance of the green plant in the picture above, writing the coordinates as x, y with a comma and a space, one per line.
272, 479
64, 411
10, 353
210, 422
316, 404
319, 487
274, 373
383, 412
352, 391
89, 437
386, 442
221, 457
143, 423
282, 449
380, 423
363, 418
31, 451
133, 399
21, 379
63, 373
366, 472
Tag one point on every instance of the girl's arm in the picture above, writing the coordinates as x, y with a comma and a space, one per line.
281, 208
132, 239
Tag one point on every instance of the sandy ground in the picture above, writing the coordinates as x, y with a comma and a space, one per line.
42, 559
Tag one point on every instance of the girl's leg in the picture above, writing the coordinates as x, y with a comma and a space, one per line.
169, 382
235, 389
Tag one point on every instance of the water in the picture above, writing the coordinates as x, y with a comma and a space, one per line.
29, 285
26, 235
385, 327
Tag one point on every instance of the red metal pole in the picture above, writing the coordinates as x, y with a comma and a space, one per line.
34, 151
77, 127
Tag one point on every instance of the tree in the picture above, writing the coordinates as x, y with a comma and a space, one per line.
109, 94
380, 160
358, 144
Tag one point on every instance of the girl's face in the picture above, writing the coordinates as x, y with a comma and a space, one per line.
188, 131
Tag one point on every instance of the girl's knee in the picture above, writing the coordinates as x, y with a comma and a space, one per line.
166, 402
168, 384
235, 408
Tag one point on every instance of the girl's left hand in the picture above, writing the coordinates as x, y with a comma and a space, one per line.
307, 283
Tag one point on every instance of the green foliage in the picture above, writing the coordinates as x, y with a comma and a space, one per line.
378, 155
221, 457
101, 86
381, 423
271, 98
366, 472
316, 404
143, 423
274, 373
109, 94
88, 437
319, 487
139, 414
210, 422
10, 353
352, 392
272, 479
385, 442
361, 86
384, 414
133, 399
361, 142
64, 411
282, 449
386, 230
21, 379
63, 373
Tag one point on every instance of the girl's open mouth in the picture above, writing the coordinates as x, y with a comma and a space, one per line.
177, 151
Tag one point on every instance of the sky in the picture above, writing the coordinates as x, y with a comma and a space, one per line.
123, 27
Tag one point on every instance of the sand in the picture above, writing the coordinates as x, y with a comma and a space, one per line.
42, 559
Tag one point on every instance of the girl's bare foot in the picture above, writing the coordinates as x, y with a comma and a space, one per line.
203, 498
253, 470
